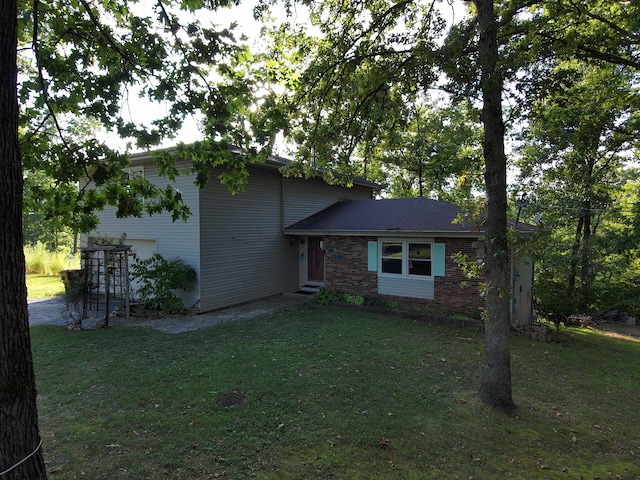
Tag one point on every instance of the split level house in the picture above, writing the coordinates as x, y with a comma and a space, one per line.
288, 234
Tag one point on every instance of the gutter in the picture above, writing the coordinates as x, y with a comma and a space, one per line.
385, 233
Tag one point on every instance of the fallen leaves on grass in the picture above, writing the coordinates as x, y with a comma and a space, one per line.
384, 442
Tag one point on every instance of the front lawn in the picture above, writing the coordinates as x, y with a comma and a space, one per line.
332, 393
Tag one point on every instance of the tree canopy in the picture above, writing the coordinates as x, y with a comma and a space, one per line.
437, 155
578, 153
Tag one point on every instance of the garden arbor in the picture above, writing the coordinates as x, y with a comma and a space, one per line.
104, 278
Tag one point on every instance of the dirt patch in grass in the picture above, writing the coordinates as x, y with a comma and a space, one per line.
231, 399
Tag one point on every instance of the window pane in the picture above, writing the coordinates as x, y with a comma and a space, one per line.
392, 249
420, 250
392, 257
392, 265
420, 259
420, 267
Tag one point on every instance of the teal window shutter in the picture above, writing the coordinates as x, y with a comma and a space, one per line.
438, 259
372, 259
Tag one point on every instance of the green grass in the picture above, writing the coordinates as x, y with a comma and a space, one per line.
44, 286
324, 388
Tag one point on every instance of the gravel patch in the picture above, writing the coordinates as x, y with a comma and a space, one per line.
52, 312
176, 324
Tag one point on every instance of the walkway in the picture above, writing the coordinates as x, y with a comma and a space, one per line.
51, 312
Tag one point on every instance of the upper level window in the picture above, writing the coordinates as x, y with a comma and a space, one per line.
406, 257
132, 172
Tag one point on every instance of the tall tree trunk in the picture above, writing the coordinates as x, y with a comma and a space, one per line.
585, 260
495, 388
575, 249
581, 255
20, 445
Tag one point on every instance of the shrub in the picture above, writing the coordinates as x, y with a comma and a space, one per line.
354, 299
327, 296
159, 278
74, 291
34, 256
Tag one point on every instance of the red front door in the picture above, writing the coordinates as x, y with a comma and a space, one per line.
315, 256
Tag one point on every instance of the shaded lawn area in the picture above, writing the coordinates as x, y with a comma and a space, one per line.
332, 393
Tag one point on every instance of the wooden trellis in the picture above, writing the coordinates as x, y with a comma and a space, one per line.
105, 271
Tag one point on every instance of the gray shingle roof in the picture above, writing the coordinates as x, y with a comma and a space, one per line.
402, 215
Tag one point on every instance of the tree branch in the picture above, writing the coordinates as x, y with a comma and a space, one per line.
514, 9
606, 21
41, 79
173, 28
591, 52
110, 40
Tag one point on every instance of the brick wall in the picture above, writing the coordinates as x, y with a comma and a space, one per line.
455, 292
346, 270
346, 265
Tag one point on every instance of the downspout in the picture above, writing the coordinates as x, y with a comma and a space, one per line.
282, 209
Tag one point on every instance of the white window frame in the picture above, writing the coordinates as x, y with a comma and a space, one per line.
131, 172
405, 257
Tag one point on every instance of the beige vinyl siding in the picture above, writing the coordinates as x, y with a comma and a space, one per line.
245, 255
304, 197
142, 248
172, 239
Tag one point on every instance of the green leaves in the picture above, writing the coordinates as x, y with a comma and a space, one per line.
367, 62
595, 30
575, 157
159, 279
437, 154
